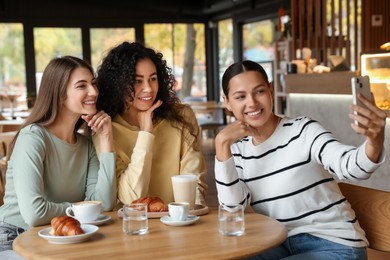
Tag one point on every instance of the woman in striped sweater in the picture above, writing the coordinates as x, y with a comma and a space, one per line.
284, 168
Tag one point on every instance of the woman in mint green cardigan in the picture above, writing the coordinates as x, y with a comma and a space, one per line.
51, 163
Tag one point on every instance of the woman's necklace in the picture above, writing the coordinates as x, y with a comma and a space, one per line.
256, 142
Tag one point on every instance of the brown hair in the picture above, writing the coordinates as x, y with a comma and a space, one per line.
52, 93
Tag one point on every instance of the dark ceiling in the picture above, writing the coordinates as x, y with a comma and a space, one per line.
139, 10
199, 7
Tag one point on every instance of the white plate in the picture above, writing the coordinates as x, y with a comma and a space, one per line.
88, 229
99, 221
168, 221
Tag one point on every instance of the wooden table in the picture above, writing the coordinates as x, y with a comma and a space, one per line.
211, 107
16, 114
200, 240
10, 125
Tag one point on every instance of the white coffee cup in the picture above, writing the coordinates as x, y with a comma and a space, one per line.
178, 211
184, 188
85, 211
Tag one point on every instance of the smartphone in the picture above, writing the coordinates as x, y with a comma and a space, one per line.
360, 84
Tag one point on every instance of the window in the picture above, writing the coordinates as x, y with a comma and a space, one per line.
258, 39
225, 43
102, 40
171, 40
50, 43
12, 64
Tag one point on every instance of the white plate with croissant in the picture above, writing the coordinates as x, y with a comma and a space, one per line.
198, 211
157, 208
89, 230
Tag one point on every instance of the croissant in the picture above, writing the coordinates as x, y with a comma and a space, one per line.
65, 226
155, 204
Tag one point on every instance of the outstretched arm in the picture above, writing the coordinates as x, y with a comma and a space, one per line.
373, 121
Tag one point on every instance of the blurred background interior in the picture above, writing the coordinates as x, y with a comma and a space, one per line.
199, 38
309, 48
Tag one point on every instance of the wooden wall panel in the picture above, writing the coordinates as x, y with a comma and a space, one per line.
374, 36
311, 20
321, 25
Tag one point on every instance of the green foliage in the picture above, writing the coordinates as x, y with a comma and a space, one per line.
169, 39
12, 68
102, 40
225, 42
258, 34
50, 43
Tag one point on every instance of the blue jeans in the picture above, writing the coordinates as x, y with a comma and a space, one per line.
8, 233
309, 247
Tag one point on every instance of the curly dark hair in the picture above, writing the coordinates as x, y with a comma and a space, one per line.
116, 78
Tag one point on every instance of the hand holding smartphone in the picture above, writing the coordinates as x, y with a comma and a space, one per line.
360, 84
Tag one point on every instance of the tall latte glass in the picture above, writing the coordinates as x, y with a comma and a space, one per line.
184, 188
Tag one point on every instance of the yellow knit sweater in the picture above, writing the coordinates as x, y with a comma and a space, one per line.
146, 161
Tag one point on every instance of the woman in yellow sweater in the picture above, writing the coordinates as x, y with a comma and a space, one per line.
155, 136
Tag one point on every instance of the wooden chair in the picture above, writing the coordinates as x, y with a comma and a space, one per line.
210, 115
372, 208
5, 140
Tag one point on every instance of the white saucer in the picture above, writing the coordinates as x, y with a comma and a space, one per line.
198, 211
99, 221
88, 229
168, 221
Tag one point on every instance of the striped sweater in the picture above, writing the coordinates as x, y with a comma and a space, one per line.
289, 178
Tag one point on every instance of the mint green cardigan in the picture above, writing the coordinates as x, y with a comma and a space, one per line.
45, 175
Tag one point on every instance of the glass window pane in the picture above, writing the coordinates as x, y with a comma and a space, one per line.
102, 40
50, 43
225, 43
12, 65
171, 40
258, 39
199, 77
160, 38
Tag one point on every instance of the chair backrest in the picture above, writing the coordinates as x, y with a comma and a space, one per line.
189, 99
5, 140
3, 168
211, 109
372, 208
209, 105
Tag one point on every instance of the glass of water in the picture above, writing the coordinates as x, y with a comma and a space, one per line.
135, 219
231, 220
